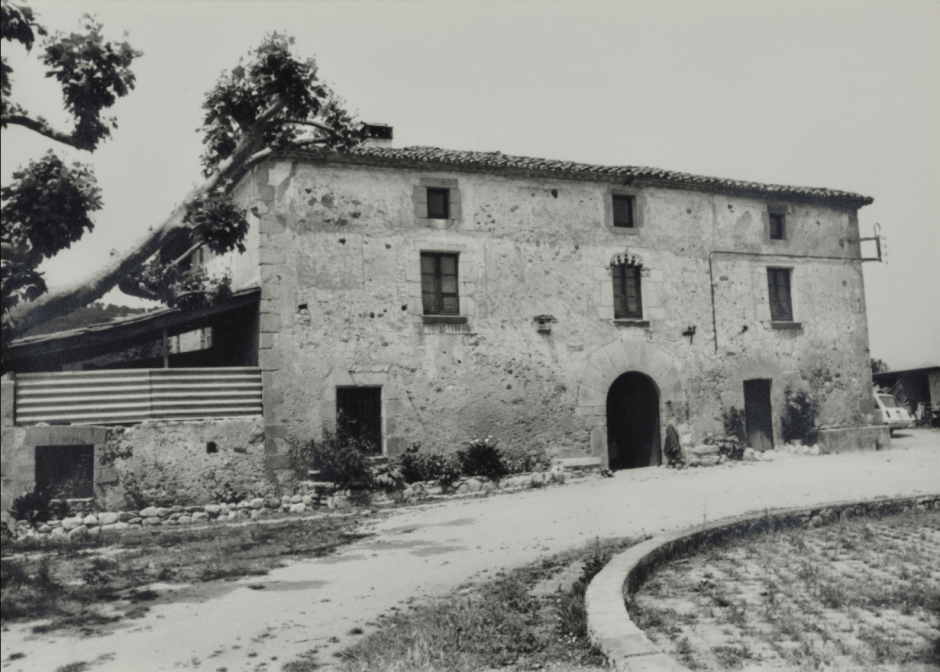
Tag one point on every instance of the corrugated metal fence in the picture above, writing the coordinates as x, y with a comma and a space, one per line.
134, 395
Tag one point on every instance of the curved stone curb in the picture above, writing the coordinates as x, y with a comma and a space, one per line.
625, 645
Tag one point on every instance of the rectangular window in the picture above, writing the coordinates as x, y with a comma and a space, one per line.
438, 203
66, 471
627, 302
439, 284
359, 416
623, 211
778, 286
777, 226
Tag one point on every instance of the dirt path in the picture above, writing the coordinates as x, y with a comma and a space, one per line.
430, 549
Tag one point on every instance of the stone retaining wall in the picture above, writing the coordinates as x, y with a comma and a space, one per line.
88, 523
625, 645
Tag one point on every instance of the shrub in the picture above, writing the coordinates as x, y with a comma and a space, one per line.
388, 476
340, 459
35, 506
729, 446
799, 419
481, 457
519, 461
733, 420
416, 465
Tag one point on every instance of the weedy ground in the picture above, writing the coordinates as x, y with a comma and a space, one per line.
860, 595
102, 581
529, 618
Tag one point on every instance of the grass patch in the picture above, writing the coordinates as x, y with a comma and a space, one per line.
92, 584
501, 622
846, 596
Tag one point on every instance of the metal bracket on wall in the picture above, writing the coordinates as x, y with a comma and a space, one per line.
877, 238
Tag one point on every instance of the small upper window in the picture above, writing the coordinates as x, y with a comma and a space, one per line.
623, 211
627, 301
777, 226
439, 284
778, 286
438, 203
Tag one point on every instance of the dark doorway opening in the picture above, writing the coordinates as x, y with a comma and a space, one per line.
66, 471
758, 415
633, 436
359, 416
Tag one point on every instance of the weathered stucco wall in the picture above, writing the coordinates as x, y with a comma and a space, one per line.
341, 305
154, 463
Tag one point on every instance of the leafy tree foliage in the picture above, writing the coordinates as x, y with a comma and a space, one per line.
272, 100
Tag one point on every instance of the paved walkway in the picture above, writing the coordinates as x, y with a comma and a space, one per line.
431, 549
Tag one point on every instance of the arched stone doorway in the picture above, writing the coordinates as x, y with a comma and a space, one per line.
605, 365
633, 434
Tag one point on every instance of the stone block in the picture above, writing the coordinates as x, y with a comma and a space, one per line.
270, 256
275, 462
854, 439
271, 359
65, 435
270, 323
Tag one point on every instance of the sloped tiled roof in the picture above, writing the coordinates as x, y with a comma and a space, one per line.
497, 162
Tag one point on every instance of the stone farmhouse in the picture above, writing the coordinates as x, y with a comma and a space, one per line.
432, 296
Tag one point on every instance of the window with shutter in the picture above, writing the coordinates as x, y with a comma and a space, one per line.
439, 284
778, 286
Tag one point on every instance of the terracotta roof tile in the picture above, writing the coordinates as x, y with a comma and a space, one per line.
497, 161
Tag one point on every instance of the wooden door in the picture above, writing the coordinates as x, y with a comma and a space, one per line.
757, 414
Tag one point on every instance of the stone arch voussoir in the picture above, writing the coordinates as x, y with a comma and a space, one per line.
608, 363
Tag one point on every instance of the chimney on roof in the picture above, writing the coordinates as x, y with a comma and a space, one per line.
377, 135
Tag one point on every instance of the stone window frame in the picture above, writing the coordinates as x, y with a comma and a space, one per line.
619, 273
438, 290
381, 428
781, 210
454, 201
70, 435
357, 377
606, 304
466, 282
639, 202
793, 322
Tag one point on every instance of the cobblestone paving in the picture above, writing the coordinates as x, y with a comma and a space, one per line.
863, 594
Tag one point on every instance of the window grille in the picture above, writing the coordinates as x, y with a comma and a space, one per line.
359, 416
628, 303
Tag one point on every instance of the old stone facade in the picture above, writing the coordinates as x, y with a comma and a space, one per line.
467, 294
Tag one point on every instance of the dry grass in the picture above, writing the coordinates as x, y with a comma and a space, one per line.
863, 594
103, 581
521, 620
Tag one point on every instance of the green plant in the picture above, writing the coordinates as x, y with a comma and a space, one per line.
729, 446
416, 466
733, 421
520, 460
799, 418
341, 460
481, 457
388, 476
34, 506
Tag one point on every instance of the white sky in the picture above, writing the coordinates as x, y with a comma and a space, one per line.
829, 93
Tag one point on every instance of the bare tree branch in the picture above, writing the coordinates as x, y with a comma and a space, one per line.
42, 127
59, 301
305, 122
